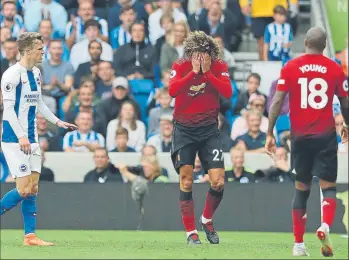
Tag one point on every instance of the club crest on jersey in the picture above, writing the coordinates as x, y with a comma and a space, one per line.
8, 87
23, 168
197, 90
345, 85
225, 74
173, 73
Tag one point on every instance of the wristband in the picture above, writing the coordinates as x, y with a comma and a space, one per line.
345, 125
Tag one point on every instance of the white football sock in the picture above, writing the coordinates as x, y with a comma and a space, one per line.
205, 220
299, 244
192, 232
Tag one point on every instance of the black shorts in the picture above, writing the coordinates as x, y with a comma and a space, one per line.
258, 26
315, 156
188, 141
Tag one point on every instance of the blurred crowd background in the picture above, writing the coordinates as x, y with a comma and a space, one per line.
107, 67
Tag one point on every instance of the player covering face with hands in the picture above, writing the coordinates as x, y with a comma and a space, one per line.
312, 80
21, 91
196, 82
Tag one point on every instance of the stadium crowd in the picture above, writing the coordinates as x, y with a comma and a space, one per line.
107, 67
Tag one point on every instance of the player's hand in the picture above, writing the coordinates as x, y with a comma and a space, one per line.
196, 62
122, 167
24, 145
270, 146
79, 143
205, 62
344, 134
66, 125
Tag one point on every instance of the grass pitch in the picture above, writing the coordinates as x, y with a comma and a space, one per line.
160, 245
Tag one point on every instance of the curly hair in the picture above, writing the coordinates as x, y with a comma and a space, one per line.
198, 41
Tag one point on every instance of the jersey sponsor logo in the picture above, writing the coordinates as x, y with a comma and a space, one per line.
314, 68
32, 98
345, 85
173, 74
197, 90
225, 74
8, 87
23, 168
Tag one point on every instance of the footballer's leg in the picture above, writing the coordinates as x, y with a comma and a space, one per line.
211, 157
18, 164
183, 161
326, 166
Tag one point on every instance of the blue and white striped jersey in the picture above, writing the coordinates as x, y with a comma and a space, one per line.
80, 28
90, 137
21, 91
119, 37
276, 35
17, 27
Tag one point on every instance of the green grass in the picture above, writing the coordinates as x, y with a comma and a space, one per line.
163, 244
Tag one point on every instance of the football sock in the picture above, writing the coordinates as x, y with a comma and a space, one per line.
186, 205
29, 214
10, 200
213, 199
329, 205
299, 216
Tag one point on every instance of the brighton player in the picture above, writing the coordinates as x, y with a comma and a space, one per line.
312, 80
21, 91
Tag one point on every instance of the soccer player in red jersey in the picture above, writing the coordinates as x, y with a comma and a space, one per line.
196, 82
312, 80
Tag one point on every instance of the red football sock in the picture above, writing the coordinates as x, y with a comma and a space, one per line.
188, 215
299, 219
328, 210
213, 199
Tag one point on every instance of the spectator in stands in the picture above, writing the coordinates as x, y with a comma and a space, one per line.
9, 18
254, 139
342, 59
150, 170
155, 30
84, 103
5, 34
173, 49
166, 23
80, 54
148, 150
45, 29
225, 55
339, 120
121, 140
89, 68
285, 106
262, 14
121, 34
238, 172
135, 60
215, 20
11, 52
105, 171
156, 112
48, 10
57, 75
46, 174
224, 128
278, 37
256, 103
253, 83
163, 140
84, 139
199, 174
49, 139
114, 12
127, 118
110, 108
106, 77
280, 171
75, 31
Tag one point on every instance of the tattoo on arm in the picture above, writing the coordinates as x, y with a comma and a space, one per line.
275, 110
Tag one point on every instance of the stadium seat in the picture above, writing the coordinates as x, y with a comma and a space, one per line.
157, 73
141, 88
282, 123
60, 110
236, 93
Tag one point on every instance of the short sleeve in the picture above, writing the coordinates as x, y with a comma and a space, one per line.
267, 34
342, 86
9, 84
283, 83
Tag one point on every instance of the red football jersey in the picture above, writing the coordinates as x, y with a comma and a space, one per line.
197, 95
312, 81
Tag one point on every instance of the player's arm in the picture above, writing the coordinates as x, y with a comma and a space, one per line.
8, 90
278, 100
177, 82
222, 82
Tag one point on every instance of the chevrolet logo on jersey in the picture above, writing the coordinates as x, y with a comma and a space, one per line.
197, 90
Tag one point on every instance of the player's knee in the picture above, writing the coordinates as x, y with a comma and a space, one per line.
35, 189
187, 182
217, 183
24, 191
186, 177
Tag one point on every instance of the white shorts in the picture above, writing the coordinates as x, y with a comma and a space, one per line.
20, 164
